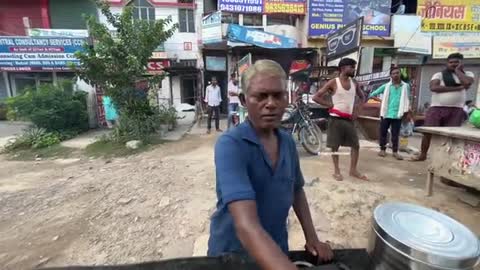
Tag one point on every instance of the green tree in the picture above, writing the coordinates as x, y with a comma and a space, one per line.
115, 62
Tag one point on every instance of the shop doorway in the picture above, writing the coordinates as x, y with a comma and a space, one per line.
222, 79
188, 90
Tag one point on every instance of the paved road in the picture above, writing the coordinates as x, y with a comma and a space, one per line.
10, 129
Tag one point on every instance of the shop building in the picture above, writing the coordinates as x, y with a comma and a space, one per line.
180, 54
407, 34
54, 25
227, 24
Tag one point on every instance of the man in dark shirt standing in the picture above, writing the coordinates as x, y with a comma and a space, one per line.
258, 179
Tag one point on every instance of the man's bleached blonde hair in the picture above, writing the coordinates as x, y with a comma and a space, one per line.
266, 67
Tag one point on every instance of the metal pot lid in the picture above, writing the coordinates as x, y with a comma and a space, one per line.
426, 235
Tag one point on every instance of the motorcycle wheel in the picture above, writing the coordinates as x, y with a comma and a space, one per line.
311, 140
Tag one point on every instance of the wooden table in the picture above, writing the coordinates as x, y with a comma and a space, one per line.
454, 154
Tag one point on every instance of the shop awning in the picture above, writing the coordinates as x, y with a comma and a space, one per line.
259, 50
237, 33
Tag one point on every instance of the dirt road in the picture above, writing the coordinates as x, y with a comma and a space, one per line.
157, 205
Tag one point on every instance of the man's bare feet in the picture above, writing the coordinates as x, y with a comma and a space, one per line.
338, 176
358, 176
382, 153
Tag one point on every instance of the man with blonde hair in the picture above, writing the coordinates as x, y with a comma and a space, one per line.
257, 188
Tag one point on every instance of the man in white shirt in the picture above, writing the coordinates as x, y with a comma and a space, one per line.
449, 94
233, 100
213, 98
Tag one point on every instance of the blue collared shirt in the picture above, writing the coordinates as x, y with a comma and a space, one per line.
244, 172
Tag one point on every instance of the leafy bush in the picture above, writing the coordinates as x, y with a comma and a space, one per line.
3, 110
48, 139
136, 127
33, 138
56, 109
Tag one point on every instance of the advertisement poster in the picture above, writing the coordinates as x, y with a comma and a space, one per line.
212, 28
408, 37
40, 53
244, 64
449, 15
237, 33
344, 40
263, 6
285, 6
326, 16
445, 45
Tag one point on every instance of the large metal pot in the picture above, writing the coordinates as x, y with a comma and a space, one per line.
409, 237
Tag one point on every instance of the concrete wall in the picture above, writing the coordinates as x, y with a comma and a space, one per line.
175, 45
164, 93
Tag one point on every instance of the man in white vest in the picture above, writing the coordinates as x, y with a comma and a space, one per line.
395, 103
339, 96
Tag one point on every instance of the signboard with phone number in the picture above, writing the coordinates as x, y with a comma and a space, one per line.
263, 6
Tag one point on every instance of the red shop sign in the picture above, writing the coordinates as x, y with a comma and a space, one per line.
157, 65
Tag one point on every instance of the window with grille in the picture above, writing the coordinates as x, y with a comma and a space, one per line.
186, 21
276, 19
143, 10
252, 20
230, 18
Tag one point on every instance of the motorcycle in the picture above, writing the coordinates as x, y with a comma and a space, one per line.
296, 120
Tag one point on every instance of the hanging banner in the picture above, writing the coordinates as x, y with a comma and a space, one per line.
449, 15
285, 6
40, 53
408, 38
212, 28
326, 16
344, 40
445, 45
237, 33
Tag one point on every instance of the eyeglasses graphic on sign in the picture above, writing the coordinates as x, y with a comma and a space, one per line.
346, 39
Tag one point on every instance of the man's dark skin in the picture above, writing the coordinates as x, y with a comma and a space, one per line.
266, 101
322, 98
455, 66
